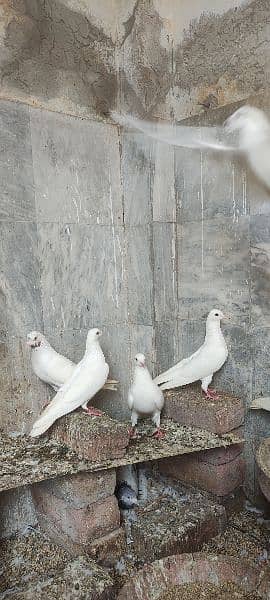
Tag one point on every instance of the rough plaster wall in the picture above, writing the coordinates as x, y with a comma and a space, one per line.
145, 55
66, 212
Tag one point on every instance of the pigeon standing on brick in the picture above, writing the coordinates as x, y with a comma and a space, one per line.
252, 139
201, 365
144, 397
86, 380
54, 368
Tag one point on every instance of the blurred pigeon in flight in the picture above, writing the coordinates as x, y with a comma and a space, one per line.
248, 126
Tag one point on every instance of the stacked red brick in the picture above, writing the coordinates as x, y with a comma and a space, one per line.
220, 470
80, 511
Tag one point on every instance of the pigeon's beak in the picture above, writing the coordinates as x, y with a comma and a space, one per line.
29, 343
142, 364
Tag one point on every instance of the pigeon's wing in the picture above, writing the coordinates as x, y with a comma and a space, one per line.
60, 369
263, 403
130, 400
178, 135
163, 377
86, 381
201, 365
159, 401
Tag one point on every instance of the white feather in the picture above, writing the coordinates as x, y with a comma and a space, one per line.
54, 368
250, 123
261, 403
86, 380
203, 363
144, 398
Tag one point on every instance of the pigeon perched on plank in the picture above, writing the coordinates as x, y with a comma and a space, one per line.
261, 403
144, 397
252, 142
201, 365
54, 368
86, 380
126, 489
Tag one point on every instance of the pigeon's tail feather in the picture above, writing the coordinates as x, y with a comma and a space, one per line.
263, 403
47, 418
170, 385
111, 386
42, 424
164, 377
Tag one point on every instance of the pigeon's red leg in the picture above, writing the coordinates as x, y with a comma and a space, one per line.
159, 434
211, 394
93, 412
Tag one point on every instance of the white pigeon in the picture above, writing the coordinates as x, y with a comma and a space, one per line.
201, 365
263, 403
144, 397
54, 368
253, 140
86, 380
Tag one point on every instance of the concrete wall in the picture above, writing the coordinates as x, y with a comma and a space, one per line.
101, 227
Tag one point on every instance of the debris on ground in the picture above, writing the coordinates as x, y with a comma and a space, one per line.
208, 591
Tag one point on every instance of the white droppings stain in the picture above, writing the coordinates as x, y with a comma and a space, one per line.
68, 230
122, 256
63, 316
202, 211
77, 209
235, 211
244, 192
52, 303
173, 264
114, 245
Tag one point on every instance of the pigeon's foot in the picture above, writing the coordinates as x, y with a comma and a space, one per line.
211, 394
132, 433
159, 434
93, 412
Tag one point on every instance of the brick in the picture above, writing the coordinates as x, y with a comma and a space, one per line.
167, 527
107, 549
220, 456
74, 527
189, 407
263, 462
264, 483
192, 568
213, 476
95, 439
81, 489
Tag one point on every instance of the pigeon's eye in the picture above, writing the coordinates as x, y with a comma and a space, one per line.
216, 314
35, 338
97, 332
